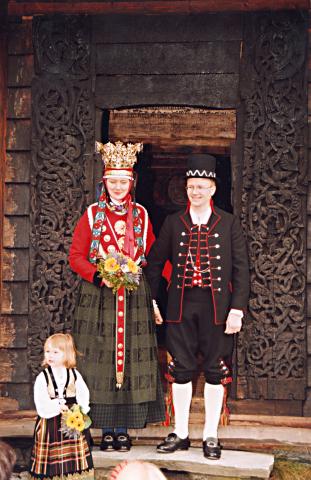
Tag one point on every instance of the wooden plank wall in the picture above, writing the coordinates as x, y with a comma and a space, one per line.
190, 60
3, 121
163, 60
307, 404
15, 387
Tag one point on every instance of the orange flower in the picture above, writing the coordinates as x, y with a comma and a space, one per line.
111, 265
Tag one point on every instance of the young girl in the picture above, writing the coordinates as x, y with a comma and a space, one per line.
56, 389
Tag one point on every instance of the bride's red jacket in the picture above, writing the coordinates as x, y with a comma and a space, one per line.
111, 239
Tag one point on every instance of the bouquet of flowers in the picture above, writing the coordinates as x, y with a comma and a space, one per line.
120, 271
74, 421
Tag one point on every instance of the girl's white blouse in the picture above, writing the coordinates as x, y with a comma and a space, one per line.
46, 406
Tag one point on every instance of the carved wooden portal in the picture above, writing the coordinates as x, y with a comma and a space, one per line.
62, 143
272, 143
272, 346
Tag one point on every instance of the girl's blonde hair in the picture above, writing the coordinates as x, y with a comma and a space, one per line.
65, 343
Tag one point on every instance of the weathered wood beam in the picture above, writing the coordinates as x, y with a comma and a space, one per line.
14, 366
3, 115
13, 331
164, 59
165, 127
14, 396
140, 29
152, 6
220, 90
15, 298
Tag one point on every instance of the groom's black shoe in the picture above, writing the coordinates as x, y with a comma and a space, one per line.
212, 449
173, 443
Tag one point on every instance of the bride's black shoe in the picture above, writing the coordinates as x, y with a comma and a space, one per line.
123, 442
108, 442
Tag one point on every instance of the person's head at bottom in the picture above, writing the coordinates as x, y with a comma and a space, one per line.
136, 470
7, 460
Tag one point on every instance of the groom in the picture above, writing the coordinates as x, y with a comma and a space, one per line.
207, 296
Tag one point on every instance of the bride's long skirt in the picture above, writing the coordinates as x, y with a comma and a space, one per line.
140, 399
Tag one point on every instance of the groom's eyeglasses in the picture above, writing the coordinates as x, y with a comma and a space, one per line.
198, 188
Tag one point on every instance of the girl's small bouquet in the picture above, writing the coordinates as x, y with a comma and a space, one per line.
120, 271
74, 421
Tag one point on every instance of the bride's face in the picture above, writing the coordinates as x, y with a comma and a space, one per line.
118, 188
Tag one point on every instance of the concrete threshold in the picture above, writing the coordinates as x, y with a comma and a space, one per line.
232, 464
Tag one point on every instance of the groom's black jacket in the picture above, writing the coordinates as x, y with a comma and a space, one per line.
223, 257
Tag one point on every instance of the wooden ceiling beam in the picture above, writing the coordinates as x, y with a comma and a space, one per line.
26, 8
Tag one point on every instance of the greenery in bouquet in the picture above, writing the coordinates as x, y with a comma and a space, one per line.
74, 421
120, 271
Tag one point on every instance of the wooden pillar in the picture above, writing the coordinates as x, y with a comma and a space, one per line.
307, 404
272, 345
3, 115
62, 156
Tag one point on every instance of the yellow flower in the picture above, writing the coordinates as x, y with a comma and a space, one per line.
79, 425
111, 265
78, 416
133, 268
70, 421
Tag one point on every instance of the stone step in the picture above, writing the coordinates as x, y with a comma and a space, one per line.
231, 465
247, 429
249, 434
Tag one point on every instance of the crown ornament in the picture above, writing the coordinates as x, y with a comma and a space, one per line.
119, 155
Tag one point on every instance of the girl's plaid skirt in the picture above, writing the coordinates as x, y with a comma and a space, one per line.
55, 456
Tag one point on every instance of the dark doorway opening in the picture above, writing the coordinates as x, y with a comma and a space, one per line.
161, 190
161, 184
169, 136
